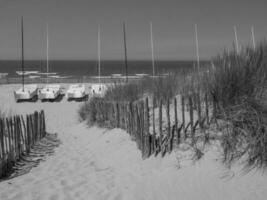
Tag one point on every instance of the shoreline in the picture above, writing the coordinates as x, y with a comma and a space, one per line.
83, 79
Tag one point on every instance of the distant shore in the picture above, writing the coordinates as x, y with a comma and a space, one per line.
62, 80
83, 79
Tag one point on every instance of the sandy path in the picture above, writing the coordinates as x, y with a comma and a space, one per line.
93, 163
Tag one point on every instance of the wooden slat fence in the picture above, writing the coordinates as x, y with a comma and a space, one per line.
17, 136
152, 134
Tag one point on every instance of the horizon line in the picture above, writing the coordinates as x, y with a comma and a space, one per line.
147, 60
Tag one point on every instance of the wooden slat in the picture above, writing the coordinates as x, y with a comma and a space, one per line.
199, 110
183, 116
191, 115
2, 140
160, 123
168, 122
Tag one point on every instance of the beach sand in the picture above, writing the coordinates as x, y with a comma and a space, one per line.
94, 163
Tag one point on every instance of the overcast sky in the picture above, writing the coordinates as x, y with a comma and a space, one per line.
73, 27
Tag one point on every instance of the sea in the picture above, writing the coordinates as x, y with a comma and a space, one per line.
74, 68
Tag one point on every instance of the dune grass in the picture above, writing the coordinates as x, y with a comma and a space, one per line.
237, 83
161, 88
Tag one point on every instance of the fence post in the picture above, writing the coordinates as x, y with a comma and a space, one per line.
137, 127
44, 124
142, 127
9, 137
12, 138
40, 125
147, 116
127, 117
117, 115
2, 155
191, 113
183, 116
199, 110
168, 124
121, 114
147, 135
33, 128
20, 136
160, 124
130, 119
16, 136
176, 121
25, 133
37, 124
5, 138
125, 107
154, 131
28, 133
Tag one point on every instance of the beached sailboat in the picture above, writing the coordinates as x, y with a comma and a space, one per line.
76, 91
21, 73
99, 89
26, 92
49, 91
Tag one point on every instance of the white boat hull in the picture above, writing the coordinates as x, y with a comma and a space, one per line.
75, 95
76, 91
48, 95
25, 95
49, 92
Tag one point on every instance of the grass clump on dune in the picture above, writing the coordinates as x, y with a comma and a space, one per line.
237, 84
96, 111
161, 88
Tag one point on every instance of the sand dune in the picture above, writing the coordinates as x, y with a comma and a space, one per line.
94, 163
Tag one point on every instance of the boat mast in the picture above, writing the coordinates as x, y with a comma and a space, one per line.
197, 49
125, 52
253, 38
22, 53
236, 41
47, 55
152, 48
98, 47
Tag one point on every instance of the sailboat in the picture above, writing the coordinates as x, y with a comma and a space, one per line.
49, 91
76, 91
26, 92
117, 75
142, 75
99, 89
